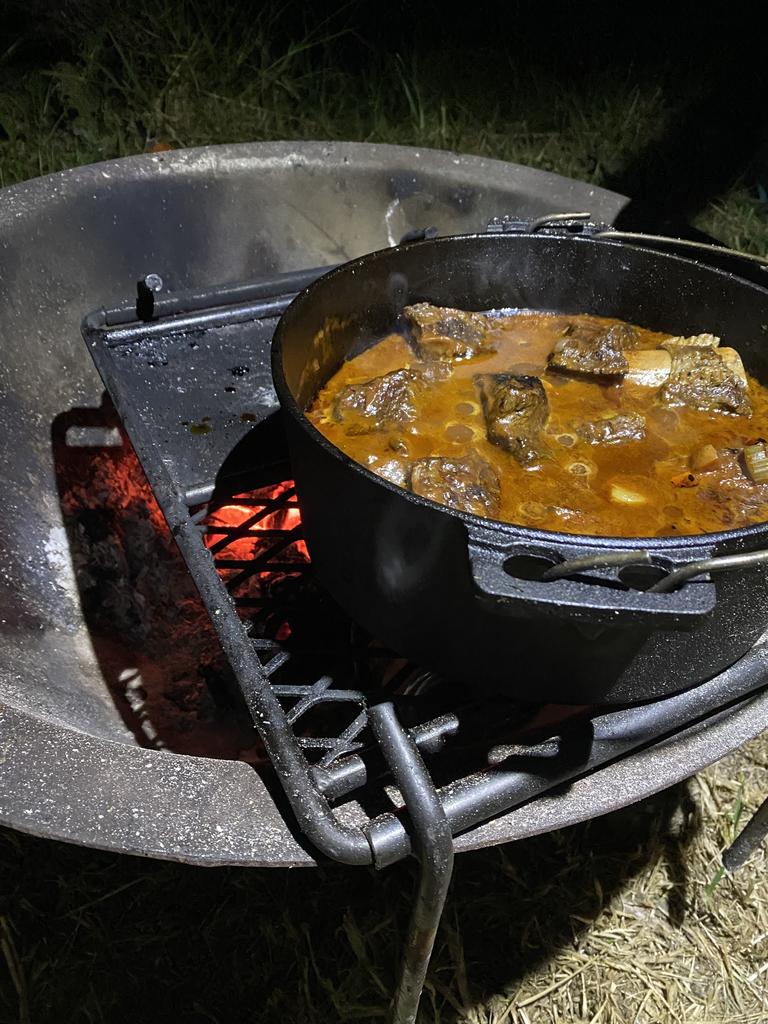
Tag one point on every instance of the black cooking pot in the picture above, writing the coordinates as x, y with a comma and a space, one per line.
547, 616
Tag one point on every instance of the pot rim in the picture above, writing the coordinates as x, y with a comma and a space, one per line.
521, 534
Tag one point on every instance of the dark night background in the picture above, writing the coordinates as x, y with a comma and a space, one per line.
517, 56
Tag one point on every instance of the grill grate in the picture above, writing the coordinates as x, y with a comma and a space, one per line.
263, 562
193, 388
256, 543
266, 570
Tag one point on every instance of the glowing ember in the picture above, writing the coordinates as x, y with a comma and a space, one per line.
247, 527
256, 541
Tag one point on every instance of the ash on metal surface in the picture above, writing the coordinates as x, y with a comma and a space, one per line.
157, 649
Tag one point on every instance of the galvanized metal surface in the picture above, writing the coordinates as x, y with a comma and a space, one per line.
70, 767
95, 792
74, 240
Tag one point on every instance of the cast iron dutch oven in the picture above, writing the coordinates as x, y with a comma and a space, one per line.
545, 616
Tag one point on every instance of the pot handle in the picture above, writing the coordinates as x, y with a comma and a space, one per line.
613, 588
743, 264
549, 224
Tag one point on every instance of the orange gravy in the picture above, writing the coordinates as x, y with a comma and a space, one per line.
575, 490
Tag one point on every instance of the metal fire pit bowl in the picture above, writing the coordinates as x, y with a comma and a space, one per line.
70, 768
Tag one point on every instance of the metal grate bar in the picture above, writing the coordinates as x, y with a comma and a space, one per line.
243, 529
262, 562
345, 744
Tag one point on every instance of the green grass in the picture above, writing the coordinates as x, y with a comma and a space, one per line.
738, 219
195, 83
250, 74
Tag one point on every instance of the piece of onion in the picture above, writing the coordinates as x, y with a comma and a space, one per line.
625, 496
705, 457
756, 461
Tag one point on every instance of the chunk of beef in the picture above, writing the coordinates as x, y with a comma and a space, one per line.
378, 404
701, 378
515, 410
394, 470
442, 333
613, 430
469, 485
594, 350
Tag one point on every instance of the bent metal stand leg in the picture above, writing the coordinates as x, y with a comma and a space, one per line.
748, 840
434, 848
